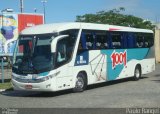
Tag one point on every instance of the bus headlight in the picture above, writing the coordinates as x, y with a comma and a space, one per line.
49, 77
44, 79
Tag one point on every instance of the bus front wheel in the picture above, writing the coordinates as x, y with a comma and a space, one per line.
81, 83
137, 73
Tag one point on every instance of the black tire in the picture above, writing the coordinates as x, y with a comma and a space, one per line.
81, 83
137, 73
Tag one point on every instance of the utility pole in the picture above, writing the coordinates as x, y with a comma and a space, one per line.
2, 12
21, 6
44, 9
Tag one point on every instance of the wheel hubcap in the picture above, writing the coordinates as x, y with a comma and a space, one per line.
137, 73
79, 83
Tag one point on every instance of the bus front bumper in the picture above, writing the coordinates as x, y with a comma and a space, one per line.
48, 85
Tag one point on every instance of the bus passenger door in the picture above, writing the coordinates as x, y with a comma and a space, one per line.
64, 77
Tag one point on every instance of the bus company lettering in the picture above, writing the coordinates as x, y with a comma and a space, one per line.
118, 58
82, 61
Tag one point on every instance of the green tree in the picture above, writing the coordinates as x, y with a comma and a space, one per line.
115, 17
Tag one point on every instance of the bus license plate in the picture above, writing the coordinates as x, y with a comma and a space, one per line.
28, 86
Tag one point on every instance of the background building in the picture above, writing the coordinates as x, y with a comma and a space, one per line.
157, 25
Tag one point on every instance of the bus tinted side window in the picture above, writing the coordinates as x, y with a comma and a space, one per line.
139, 40
61, 52
72, 37
87, 40
148, 40
144, 40
65, 47
116, 40
101, 40
70, 40
90, 40
93, 40
131, 41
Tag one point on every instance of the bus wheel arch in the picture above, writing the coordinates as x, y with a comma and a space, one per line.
81, 82
137, 72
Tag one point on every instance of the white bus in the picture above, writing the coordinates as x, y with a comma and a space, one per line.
61, 56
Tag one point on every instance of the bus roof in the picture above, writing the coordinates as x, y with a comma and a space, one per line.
51, 28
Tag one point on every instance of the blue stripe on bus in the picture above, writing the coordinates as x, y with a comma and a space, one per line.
113, 73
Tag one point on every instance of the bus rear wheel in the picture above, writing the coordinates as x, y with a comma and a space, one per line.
137, 73
81, 83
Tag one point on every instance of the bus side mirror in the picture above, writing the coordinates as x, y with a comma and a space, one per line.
54, 42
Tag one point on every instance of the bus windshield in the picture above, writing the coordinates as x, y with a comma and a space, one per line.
33, 55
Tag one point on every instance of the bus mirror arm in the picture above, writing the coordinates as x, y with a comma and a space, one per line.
55, 40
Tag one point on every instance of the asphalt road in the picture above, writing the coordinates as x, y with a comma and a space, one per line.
117, 94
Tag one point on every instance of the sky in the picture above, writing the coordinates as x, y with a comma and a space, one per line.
67, 10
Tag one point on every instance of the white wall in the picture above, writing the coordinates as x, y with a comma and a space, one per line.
157, 45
